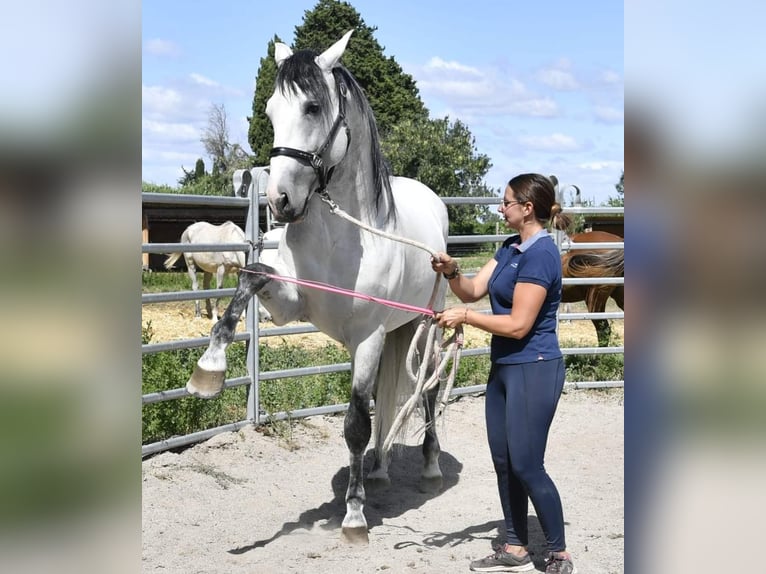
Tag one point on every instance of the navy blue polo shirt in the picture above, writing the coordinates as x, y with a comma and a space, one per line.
537, 261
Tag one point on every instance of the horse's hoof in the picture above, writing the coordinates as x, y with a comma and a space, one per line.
205, 384
430, 484
355, 535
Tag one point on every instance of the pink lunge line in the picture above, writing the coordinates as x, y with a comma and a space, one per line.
342, 291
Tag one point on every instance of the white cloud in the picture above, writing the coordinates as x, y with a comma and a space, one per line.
170, 130
611, 77
600, 165
609, 115
160, 47
558, 80
539, 108
164, 156
559, 77
552, 143
203, 80
181, 104
455, 88
472, 92
437, 63
157, 99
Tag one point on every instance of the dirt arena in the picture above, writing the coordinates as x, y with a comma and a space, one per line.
244, 502
251, 502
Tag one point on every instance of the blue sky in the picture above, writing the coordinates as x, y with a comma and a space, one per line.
539, 84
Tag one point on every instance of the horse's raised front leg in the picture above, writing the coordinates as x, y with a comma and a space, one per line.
207, 379
357, 431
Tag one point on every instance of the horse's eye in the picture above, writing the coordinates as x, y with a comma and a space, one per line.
312, 108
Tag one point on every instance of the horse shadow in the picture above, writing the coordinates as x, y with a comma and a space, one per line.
403, 495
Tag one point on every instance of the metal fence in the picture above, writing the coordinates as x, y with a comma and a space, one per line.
252, 202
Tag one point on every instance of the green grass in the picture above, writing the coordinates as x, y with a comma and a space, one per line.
582, 368
162, 281
472, 263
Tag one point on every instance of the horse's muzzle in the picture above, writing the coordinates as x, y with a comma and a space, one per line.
285, 211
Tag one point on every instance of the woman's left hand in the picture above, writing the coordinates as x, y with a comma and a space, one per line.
451, 317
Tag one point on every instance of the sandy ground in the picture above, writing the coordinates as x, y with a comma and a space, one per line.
172, 321
252, 502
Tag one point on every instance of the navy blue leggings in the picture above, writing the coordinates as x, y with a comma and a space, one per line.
520, 404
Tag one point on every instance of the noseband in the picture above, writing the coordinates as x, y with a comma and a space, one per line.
314, 160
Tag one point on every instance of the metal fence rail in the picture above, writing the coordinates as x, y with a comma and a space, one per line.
253, 332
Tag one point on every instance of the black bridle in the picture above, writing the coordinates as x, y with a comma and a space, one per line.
314, 160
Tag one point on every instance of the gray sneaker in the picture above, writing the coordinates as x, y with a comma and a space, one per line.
502, 561
554, 565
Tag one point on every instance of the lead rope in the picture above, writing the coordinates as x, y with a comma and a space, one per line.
335, 208
432, 351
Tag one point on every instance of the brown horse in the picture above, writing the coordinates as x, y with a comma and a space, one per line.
590, 263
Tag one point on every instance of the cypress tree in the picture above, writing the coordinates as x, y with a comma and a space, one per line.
393, 94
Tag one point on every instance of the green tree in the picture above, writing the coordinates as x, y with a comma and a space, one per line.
199, 168
443, 155
260, 134
189, 177
618, 201
393, 95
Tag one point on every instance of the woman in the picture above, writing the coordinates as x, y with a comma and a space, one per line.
523, 281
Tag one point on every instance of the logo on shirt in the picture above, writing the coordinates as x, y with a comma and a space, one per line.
514, 265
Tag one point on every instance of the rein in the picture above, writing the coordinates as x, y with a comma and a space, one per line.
341, 291
335, 209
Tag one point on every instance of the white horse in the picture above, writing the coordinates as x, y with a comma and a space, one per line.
315, 97
219, 262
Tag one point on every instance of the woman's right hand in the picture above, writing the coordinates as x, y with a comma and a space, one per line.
443, 263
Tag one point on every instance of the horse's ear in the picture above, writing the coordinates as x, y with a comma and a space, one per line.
281, 52
328, 59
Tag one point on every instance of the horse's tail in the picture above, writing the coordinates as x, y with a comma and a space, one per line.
393, 386
173, 257
608, 264
171, 260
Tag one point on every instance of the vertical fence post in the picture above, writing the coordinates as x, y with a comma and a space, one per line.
251, 318
558, 238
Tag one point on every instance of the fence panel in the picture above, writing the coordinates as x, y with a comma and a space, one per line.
250, 196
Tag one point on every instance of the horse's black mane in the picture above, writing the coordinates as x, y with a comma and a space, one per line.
300, 72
